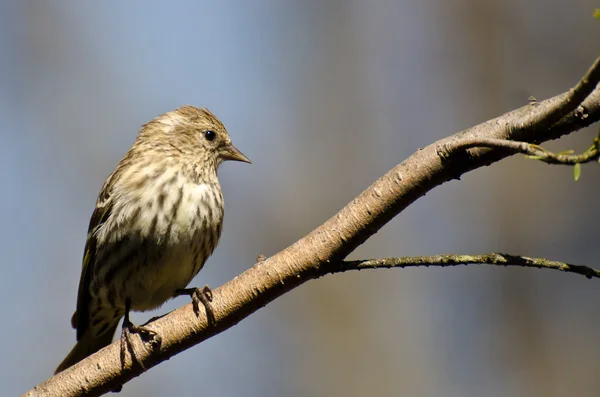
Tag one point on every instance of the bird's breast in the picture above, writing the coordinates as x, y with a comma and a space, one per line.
176, 208
177, 228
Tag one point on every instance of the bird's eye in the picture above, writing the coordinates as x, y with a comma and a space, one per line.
210, 135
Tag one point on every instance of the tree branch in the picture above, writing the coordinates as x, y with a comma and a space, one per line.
313, 255
574, 97
534, 151
456, 260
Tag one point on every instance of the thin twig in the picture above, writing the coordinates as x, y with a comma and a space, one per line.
537, 116
534, 151
456, 260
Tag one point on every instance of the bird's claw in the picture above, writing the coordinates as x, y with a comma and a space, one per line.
152, 338
200, 295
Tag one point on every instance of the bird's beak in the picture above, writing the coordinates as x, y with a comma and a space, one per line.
230, 152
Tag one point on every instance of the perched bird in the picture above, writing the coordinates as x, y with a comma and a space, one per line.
157, 220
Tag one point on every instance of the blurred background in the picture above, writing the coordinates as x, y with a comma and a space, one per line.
324, 96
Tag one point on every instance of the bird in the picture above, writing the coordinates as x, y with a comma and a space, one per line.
158, 218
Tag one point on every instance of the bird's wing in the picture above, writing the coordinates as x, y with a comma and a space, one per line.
101, 213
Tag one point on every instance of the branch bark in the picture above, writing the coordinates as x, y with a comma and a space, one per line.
323, 250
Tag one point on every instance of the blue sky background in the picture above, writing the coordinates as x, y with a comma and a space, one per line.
324, 97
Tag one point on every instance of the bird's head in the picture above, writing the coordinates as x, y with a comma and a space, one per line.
193, 134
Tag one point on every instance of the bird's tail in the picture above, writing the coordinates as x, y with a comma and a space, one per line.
87, 345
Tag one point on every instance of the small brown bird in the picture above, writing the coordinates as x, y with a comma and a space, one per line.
157, 220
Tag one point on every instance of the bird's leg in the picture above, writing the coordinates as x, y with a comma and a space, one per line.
130, 328
200, 295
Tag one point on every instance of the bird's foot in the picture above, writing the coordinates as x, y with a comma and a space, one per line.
152, 338
200, 295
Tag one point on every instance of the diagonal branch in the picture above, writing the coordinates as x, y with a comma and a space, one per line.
571, 101
456, 260
314, 255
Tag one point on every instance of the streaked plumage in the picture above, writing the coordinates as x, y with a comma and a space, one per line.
157, 220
